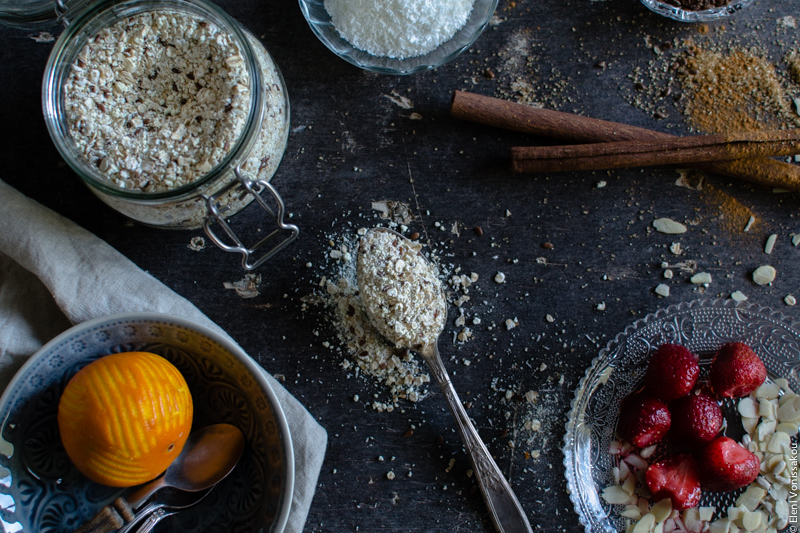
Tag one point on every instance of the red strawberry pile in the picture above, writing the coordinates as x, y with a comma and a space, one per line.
674, 406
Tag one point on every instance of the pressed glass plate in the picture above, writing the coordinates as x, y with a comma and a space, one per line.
702, 326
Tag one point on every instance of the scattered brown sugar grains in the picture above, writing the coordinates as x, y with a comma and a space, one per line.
737, 90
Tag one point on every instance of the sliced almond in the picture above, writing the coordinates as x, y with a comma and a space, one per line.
765, 408
723, 525
790, 428
751, 498
632, 512
751, 520
779, 443
661, 510
645, 525
750, 424
789, 408
628, 485
748, 407
614, 495
768, 391
706, 513
765, 430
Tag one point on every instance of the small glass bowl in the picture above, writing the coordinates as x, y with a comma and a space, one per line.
320, 22
687, 15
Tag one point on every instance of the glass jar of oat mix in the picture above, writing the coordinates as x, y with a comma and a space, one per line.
172, 113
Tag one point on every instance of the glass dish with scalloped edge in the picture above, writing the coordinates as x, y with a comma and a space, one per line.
687, 15
319, 20
702, 326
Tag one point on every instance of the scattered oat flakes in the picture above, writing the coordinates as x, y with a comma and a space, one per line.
750, 223
662, 290
43, 37
246, 287
701, 278
675, 248
668, 273
511, 324
790, 300
197, 243
390, 475
601, 306
795, 239
500, 278
399, 100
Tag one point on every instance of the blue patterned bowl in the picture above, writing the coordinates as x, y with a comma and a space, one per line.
42, 492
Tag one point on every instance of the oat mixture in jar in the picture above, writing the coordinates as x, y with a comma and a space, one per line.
158, 99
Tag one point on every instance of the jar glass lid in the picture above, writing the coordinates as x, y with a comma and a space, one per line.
29, 14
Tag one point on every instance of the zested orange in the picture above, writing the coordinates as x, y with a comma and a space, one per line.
125, 417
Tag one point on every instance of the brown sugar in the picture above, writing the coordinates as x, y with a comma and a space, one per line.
731, 215
734, 91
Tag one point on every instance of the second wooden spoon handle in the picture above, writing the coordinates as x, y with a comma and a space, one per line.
110, 518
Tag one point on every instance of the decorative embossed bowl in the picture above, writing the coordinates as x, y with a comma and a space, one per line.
42, 492
702, 326
687, 15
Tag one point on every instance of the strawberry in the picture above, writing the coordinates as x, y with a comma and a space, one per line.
672, 372
736, 371
676, 478
696, 419
725, 465
643, 420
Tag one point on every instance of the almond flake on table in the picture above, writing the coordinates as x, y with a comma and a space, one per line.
764, 275
662, 290
668, 226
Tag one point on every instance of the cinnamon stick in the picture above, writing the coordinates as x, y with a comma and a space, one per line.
577, 129
675, 151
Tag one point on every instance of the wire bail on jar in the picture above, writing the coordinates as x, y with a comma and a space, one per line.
217, 214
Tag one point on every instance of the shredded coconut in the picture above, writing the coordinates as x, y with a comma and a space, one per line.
398, 28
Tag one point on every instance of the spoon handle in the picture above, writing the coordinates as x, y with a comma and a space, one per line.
110, 518
154, 518
504, 508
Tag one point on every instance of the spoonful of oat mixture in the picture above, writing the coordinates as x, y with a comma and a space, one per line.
404, 300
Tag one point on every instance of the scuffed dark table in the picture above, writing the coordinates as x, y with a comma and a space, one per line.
581, 260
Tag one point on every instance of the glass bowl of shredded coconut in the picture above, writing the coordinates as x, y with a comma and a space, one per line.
398, 36
696, 10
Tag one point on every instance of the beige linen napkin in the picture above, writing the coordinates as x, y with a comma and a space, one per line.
41, 295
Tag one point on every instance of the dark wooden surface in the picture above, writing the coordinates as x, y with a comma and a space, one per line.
351, 144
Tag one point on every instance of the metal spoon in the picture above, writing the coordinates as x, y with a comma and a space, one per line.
165, 503
207, 457
379, 286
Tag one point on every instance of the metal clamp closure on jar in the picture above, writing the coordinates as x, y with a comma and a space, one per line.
254, 188
171, 112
